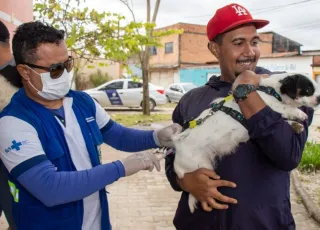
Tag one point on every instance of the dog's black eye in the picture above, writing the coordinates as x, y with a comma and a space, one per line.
307, 92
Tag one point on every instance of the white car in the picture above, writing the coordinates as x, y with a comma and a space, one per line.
126, 93
177, 90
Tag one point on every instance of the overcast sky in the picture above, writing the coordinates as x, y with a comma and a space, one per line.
298, 20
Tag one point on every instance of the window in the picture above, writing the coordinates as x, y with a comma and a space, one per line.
188, 87
153, 50
134, 85
169, 47
115, 85
173, 88
179, 88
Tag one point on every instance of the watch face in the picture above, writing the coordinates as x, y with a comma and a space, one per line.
241, 91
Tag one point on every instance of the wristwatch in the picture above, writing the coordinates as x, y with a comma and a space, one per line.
242, 91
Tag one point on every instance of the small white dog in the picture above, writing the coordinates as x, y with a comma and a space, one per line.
220, 134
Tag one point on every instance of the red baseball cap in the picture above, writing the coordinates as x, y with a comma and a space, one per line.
231, 16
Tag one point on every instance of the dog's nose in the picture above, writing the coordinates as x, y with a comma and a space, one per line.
318, 99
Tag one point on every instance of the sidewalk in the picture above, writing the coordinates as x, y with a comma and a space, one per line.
142, 201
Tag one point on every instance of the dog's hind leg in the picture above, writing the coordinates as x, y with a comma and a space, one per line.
297, 127
179, 170
192, 203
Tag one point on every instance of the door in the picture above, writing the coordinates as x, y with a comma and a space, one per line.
134, 93
179, 93
172, 93
114, 92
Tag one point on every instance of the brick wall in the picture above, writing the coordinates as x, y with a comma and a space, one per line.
266, 44
316, 60
13, 12
194, 49
169, 58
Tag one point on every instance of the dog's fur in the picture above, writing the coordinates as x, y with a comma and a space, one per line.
6, 92
220, 134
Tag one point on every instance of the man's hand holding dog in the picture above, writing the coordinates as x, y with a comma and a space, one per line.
248, 77
203, 185
253, 103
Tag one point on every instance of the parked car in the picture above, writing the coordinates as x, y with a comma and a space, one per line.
176, 91
126, 93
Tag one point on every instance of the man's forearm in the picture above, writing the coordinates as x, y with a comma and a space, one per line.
180, 183
53, 188
127, 139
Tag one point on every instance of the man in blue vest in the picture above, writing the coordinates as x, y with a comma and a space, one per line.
50, 138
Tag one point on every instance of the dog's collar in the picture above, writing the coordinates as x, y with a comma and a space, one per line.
269, 90
229, 111
214, 108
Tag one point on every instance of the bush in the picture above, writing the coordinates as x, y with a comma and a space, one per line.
310, 158
99, 78
81, 83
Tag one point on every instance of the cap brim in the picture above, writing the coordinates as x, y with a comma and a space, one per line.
257, 22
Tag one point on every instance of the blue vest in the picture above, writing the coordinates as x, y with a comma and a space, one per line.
29, 213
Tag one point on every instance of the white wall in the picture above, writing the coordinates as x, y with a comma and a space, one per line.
164, 78
300, 64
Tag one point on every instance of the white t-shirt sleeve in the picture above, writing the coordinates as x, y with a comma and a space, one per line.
19, 142
102, 117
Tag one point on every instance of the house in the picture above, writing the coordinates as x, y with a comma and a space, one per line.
14, 12
186, 58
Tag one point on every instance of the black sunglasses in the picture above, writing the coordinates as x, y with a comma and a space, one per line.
56, 70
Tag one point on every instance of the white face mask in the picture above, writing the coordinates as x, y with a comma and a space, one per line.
53, 89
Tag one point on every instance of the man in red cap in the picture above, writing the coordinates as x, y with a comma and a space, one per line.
254, 190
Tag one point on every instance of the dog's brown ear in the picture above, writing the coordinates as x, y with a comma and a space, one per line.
290, 86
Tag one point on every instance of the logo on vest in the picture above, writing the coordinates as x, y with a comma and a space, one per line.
239, 10
90, 119
15, 146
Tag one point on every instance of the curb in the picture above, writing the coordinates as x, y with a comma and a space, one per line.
312, 208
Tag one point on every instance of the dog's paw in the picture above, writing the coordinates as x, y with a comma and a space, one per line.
297, 127
301, 116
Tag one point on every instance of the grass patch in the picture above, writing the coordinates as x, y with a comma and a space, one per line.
134, 119
310, 158
167, 105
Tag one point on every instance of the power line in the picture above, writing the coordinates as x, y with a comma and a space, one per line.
281, 6
300, 28
262, 10
296, 26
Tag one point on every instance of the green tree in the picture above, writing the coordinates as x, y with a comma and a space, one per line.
144, 55
91, 35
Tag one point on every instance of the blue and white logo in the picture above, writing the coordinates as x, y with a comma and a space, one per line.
114, 97
90, 119
15, 145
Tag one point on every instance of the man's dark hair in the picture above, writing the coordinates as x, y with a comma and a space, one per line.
29, 36
218, 39
4, 33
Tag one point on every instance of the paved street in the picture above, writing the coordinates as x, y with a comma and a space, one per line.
145, 201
